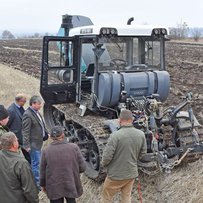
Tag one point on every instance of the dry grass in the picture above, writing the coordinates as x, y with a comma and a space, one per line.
15, 81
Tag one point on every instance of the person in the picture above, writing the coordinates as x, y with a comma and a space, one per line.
3, 120
34, 133
16, 112
120, 157
17, 184
61, 165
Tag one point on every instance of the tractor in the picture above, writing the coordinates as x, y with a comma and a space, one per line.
91, 72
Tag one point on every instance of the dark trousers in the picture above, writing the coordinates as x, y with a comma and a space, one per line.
61, 200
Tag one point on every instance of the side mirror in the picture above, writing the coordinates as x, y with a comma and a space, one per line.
65, 76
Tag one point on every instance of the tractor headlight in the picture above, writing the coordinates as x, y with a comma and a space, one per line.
108, 31
163, 31
159, 31
156, 31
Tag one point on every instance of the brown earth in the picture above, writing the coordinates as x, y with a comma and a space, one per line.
185, 65
184, 61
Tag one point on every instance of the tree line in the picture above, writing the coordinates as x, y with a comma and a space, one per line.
6, 34
181, 31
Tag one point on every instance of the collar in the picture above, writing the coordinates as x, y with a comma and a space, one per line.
17, 105
12, 153
126, 126
55, 142
33, 110
4, 128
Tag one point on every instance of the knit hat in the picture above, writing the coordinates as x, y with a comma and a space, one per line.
57, 131
3, 113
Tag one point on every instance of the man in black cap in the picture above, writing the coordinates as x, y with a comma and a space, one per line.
3, 120
60, 158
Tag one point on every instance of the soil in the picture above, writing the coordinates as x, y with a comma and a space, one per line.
184, 61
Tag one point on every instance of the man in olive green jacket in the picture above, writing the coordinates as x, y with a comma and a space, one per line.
17, 183
120, 157
3, 120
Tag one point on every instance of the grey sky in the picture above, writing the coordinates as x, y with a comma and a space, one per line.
45, 15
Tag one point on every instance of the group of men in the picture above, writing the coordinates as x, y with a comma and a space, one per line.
25, 168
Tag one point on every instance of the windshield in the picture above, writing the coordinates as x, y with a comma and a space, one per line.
128, 53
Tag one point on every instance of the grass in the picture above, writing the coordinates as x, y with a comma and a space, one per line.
14, 81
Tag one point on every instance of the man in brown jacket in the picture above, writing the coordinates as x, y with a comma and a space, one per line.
60, 168
120, 157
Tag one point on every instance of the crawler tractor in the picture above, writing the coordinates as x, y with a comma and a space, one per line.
90, 73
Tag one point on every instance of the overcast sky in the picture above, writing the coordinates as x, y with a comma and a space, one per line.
45, 15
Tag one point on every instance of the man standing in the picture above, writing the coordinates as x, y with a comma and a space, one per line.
16, 112
3, 120
120, 156
34, 132
60, 169
17, 183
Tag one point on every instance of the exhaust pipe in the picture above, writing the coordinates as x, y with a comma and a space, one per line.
130, 20
67, 23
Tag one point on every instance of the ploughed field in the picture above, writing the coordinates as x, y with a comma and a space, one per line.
185, 64
184, 61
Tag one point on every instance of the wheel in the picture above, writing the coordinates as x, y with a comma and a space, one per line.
94, 159
53, 116
77, 134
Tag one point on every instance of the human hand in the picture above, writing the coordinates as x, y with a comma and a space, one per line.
28, 149
44, 189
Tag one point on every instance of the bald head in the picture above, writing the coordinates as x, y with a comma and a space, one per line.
9, 141
126, 117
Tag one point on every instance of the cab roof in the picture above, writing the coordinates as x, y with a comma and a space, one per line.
125, 30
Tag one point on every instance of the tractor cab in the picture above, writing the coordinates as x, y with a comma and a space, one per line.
96, 65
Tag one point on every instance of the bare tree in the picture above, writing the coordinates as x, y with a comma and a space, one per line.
6, 34
36, 35
196, 34
179, 32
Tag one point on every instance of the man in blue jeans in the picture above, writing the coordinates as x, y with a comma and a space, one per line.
34, 133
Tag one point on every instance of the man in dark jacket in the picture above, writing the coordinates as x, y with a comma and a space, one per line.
61, 165
17, 183
34, 132
120, 157
16, 112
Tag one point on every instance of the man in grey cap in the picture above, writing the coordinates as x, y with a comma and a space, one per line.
60, 158
3, 120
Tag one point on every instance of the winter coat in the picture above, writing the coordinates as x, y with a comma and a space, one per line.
17, 184
122, 152
3, 129
61, 165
